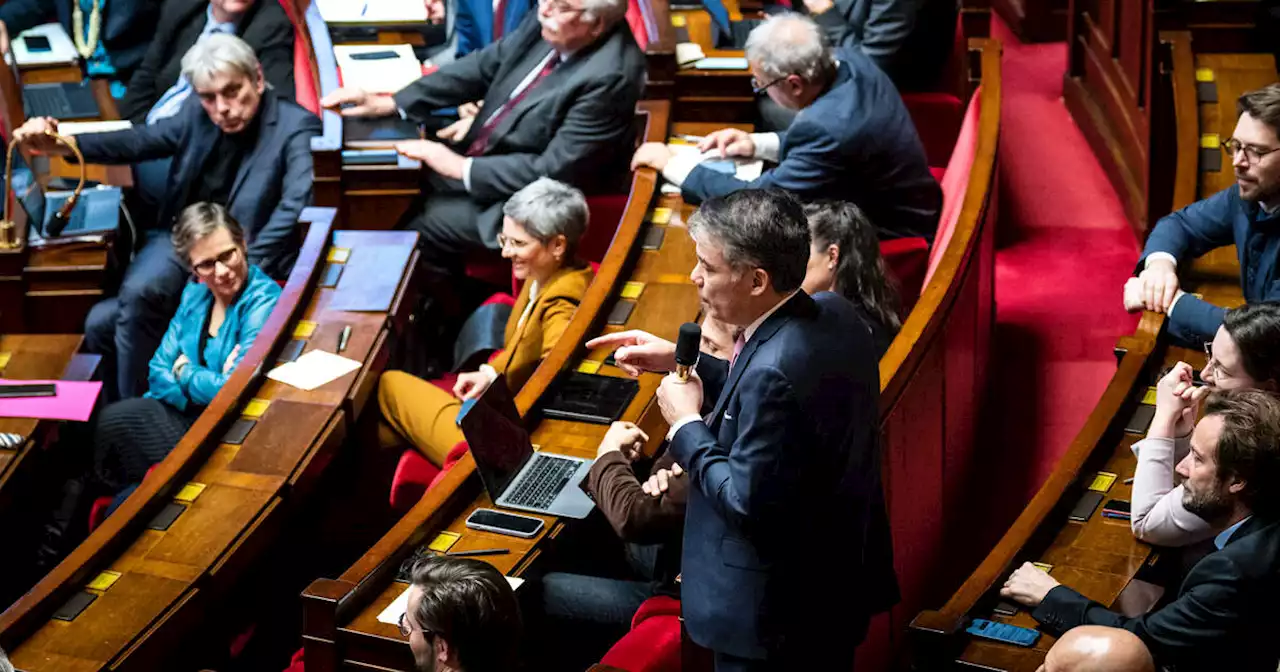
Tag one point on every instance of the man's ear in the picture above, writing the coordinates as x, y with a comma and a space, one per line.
262, 80
833, 256
759, 281
1235, 486
446, 655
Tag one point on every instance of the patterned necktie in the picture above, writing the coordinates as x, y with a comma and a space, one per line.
481, 143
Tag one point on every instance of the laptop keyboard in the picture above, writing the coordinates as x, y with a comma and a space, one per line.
544, 480
46, 102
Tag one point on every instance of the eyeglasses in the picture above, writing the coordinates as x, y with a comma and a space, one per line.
1252, 153
228, 258
406, 629
514, 243
757, 88
561, 7
1212, 365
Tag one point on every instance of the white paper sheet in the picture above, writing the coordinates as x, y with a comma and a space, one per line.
78, 127
745, 169
375, 11
61, 50
386, 75
722, 63
391, 615
313, 369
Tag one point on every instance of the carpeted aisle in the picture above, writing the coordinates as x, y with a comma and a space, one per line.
1064, 250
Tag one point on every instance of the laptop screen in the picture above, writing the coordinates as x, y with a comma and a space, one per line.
29, 192
497, 437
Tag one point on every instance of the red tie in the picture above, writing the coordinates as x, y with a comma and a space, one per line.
481, 143
499, 16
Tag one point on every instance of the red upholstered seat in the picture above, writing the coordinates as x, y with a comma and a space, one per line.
306, 89
907, 260
937, 118
955, 182
296, 663
415, 475
653, 644
98, 510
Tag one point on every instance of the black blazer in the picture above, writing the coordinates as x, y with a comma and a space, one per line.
128, 26
576, 126
271, 187
791, 455
1224, 618
264, 26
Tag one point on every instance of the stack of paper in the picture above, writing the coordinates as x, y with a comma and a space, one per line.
313, 370
372, 11
60, 49
78, 127
391, 615
741, 168
380, 75
688, 52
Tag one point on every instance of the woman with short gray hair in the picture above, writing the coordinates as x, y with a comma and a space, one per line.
541, 228
218, 319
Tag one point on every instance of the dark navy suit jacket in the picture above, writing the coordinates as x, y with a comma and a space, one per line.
128, 26
790, 456
473, 22
855, 143
1224, 617
271, 187
1222, 219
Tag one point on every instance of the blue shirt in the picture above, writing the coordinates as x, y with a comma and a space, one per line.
172, 100
1224, 536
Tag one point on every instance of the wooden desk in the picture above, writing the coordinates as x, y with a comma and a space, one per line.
24, 470
168, 580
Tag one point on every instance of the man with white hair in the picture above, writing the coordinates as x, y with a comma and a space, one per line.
852, 139
559, 101
235, 143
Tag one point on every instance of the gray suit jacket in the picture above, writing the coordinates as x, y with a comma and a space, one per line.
576, 126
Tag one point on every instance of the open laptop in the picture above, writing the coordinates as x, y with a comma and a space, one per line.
516, 476
97, 210
60, 100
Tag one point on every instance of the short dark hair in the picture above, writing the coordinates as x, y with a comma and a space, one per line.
1255, 327
1249, 444
761, 228
199, 220
471, 606
1262, 104
860, 275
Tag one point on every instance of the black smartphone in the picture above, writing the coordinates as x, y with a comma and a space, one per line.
502, 522
37, 43
374, 55
1116, 508
20, 390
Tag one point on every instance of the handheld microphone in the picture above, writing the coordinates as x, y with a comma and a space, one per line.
62, 217
687, 347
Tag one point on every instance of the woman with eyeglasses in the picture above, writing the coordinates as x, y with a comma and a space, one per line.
541, 226
220, 315
1244, 354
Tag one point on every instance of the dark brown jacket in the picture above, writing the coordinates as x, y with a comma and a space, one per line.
637, 517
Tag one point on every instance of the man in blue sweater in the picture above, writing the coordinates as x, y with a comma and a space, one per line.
852, 139
1246, 215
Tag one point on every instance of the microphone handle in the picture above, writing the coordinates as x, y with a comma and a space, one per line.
682, 372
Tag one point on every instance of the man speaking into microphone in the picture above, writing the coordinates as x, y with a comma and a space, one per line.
780, 445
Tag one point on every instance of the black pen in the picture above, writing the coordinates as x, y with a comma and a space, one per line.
483, 551
344, 337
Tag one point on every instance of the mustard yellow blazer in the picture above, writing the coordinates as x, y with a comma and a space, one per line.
527, 343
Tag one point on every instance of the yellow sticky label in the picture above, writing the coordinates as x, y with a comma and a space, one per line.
339, 255
104, 580
632, 290
1210, 141
444, 541
4, 359
1204, 75
661, 215
589, 366
1043, 565
1103, 481
678, 20
189, 492
255, 408
304, 329
1150, 397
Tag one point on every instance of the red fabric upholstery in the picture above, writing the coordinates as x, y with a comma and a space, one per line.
296, 663
606, 214
495, 271
937, 118
98, 510
653, 645
306, 90
415, 475
955, 182
907, 259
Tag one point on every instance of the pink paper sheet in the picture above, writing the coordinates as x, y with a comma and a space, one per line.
74, 401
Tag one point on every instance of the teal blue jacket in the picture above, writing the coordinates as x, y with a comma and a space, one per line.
203, 377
